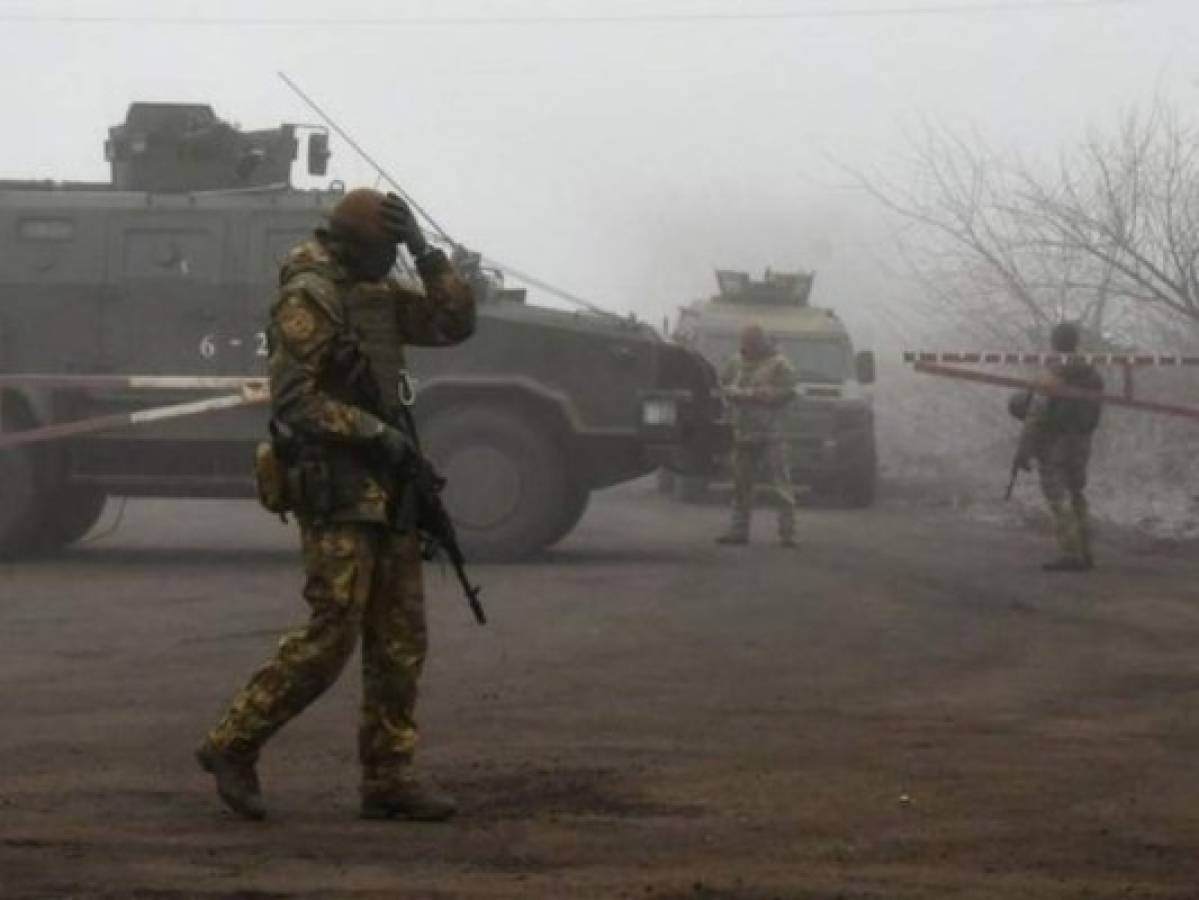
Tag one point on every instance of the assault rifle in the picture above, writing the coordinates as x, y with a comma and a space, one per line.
424, 484
1011, 485
420, 505
1019, 461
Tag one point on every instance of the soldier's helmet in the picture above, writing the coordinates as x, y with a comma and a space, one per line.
358, 216
1065, 337
754, 342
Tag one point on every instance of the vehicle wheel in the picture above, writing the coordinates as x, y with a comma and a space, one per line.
70, 513
577, 500
690, 488
20, 489
507, 480
860, 486
666, 479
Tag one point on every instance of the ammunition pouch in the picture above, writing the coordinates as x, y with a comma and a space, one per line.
271, 480
310, 484
293, 478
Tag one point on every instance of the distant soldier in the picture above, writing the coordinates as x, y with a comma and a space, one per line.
1057, 436
336, 337
758, 384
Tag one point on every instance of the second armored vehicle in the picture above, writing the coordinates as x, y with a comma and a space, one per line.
830, 426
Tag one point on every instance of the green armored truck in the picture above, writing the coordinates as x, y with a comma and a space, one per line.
831, 423
132, 350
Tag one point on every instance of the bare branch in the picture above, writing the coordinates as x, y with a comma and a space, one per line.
1109, 235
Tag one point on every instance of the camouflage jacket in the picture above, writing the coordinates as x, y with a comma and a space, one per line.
313, 331
758, 391
1052, 416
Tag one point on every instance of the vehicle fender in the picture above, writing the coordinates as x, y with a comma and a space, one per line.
525, 396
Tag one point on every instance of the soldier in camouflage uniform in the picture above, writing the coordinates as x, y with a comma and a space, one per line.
1057, 436
758, 384
336, 337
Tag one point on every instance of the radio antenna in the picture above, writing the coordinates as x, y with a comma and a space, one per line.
439, 232
367, 158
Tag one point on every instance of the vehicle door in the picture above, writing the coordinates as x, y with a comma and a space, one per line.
166, 311
51, 279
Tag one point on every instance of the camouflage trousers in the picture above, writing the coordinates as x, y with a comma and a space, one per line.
361, 581
769, 457
1062, 466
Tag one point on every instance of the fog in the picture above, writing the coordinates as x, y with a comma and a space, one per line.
897, 703
624, 155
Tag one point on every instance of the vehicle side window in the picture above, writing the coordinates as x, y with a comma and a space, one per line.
45, 229
152, 254
49, 247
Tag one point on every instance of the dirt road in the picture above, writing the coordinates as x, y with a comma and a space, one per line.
906, 707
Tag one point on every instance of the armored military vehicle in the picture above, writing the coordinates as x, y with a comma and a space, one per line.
126, 305
830, 427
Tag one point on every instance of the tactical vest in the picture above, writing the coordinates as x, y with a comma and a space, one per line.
1073, 414
751, 422
363, 369
371, 318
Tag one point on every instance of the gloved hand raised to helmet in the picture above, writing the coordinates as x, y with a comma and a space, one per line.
401, 223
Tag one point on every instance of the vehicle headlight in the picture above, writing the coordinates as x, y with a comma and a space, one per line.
660, 411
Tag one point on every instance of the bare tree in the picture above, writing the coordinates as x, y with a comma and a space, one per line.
1130, 203
1109, 236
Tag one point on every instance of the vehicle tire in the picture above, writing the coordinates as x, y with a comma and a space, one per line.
507, 480
21, 492
860, 485
666, 479
690, 488
69, 513
577, 499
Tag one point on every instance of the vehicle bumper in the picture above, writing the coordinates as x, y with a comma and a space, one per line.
677, 433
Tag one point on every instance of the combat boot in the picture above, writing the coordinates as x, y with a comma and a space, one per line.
407, 798
236, 780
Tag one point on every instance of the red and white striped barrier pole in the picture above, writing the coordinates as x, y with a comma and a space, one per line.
1165, 360
945, 365
250, 391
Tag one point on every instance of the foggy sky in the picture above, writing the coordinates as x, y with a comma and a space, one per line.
625, 160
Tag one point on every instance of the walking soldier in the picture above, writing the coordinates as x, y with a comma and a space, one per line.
336, 339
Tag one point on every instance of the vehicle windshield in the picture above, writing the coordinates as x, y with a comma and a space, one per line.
814, 359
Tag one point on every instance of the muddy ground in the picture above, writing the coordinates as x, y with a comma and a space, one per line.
905, 707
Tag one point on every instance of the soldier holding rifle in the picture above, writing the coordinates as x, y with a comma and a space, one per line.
1057, 436
336, 337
